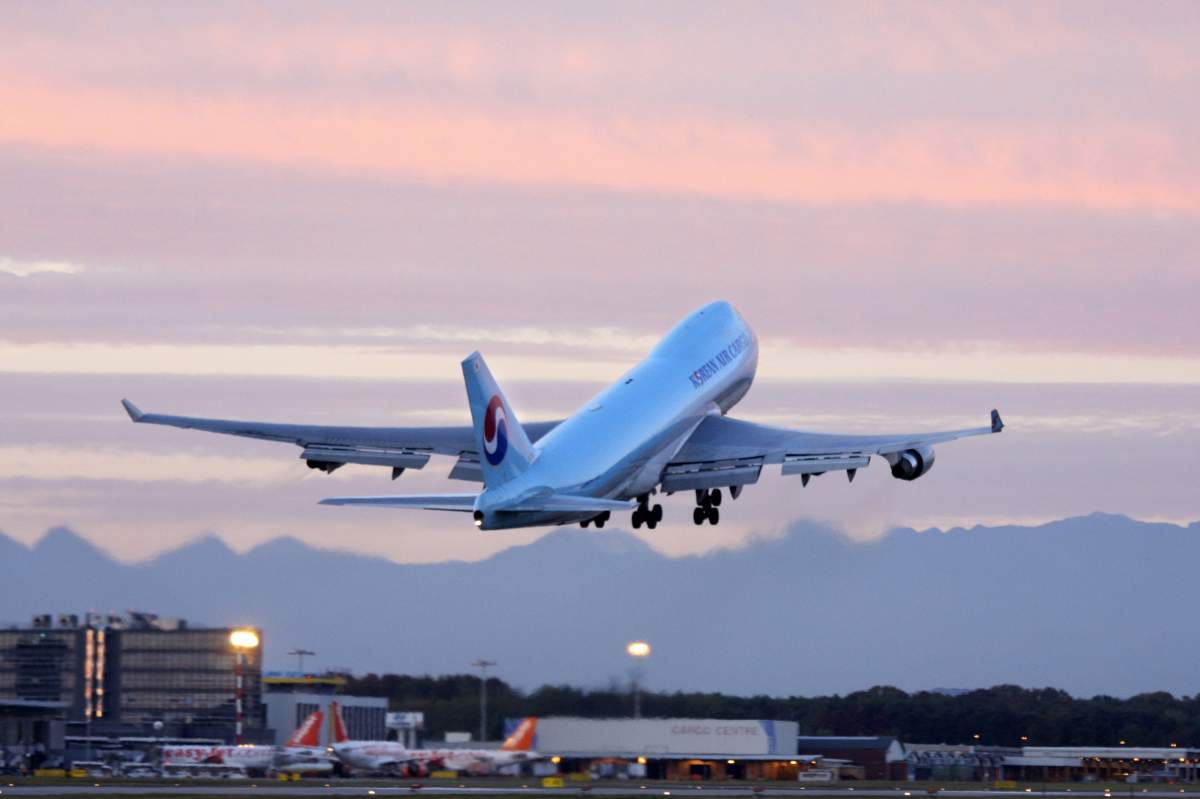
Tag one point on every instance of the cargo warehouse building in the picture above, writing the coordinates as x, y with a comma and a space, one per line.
674, 749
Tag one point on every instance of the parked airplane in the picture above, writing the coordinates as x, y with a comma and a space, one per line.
394, 756
660, 427
303, 752
251, 757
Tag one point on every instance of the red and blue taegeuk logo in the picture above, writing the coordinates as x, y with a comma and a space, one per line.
495, 431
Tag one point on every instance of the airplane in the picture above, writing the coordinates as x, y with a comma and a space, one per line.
252, 757
394, 756
662, 427
302, 753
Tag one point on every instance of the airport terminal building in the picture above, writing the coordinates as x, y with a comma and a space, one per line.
124, 673
290, 696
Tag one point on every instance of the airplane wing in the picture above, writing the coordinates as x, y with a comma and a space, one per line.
729, 452
328, 448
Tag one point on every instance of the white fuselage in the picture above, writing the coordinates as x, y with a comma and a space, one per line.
381, 755
305, 759
617, 444
249, 756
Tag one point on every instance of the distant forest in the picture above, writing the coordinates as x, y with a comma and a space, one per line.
1006, 715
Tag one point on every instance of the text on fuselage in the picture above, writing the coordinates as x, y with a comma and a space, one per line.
719, 361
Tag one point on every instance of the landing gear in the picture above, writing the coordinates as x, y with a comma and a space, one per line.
596, 520
644, 514
706, 506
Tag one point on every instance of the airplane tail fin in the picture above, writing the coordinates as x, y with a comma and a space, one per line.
522, 738
504, 449
339, 723
309, 731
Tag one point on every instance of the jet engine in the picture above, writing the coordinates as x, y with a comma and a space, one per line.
912, 463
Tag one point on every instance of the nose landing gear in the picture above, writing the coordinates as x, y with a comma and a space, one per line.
707, 503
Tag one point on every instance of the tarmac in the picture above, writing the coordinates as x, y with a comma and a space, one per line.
282, 789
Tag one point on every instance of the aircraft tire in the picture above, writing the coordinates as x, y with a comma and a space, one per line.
715, 497
657, 514
698, 516
599, 521
637, 519
714, 516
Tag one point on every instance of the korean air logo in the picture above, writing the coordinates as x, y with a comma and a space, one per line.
495, 431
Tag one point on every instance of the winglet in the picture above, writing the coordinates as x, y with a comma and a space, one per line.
997, 422
135, 413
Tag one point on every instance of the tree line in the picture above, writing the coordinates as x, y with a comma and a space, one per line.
1004, 715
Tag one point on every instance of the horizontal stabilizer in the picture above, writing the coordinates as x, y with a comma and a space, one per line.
568, 503
456, 502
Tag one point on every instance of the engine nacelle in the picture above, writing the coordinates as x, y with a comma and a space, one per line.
912, 463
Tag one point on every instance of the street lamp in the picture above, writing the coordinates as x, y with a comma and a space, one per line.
242, 641
482, 665
638, 650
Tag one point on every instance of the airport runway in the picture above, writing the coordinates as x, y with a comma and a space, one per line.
248, 788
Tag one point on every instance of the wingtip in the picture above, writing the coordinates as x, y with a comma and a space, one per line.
997, 422
135, 413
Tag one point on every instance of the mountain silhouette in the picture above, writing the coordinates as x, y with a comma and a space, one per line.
1093, 604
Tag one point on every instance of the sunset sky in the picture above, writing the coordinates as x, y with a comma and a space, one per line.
312, 212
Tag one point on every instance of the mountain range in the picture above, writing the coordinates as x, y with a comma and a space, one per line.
1099, 604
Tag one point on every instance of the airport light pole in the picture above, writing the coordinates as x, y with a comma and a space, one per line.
300, 654
639, 651
482, 664
242, 642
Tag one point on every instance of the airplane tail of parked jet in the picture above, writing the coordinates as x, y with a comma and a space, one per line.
309, 731
339, 724
522, 738
504, 449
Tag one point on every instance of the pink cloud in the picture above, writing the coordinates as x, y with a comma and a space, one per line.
953, 162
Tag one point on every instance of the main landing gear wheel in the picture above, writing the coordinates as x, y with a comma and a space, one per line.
644, 514
596, 520
706, 506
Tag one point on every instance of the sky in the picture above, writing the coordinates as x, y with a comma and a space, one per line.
311, 212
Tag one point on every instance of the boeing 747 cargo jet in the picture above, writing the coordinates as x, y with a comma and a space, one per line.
662, 427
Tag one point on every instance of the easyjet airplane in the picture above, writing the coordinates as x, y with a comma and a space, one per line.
303, 753
394, 756
661, 427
